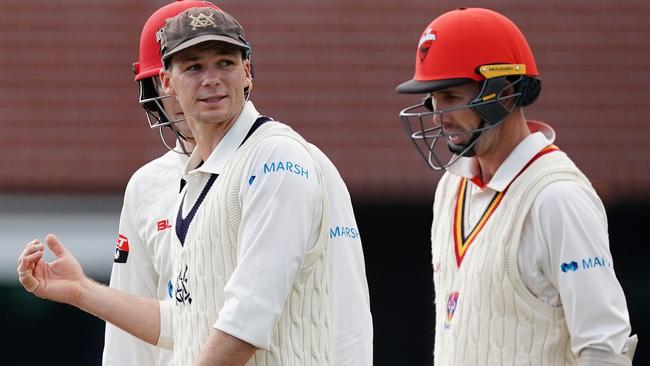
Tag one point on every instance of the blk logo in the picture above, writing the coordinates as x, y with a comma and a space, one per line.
571, 266
163, 225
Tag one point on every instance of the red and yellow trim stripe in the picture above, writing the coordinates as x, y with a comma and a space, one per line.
461, 243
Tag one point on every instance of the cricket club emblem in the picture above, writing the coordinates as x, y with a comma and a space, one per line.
425, 43
182, 288
202, 21
452, 305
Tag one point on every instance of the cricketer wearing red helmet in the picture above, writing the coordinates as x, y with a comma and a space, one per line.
142, 264
523, 273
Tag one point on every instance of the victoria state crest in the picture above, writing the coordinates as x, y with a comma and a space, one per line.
202, 21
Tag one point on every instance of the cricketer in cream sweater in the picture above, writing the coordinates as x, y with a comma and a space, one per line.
503, 294
279, 280
523, 274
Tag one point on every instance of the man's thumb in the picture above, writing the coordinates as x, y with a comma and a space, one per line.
55, 245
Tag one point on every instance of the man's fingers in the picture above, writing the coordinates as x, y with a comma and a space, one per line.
30, 283
27, 261
29, 257
35, 241
31, 249
55, 245
30, 260
27, 279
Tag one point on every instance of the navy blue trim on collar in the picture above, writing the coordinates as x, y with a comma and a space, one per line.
183, 182
183, 224
258, 122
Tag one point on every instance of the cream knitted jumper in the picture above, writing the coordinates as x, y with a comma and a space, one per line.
484, 313
209, 257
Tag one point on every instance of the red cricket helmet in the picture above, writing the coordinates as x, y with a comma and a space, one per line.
463, 46
454, 46
149, 65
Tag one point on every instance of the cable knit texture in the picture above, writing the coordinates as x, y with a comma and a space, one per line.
496, 321
301, 334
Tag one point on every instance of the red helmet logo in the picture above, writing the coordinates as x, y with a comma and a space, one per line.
425, 43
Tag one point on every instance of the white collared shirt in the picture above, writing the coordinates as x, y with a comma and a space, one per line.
282, 211
566, 224
145, 225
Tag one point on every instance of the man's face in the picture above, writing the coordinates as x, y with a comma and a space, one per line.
173, 109
208, 81
459, 125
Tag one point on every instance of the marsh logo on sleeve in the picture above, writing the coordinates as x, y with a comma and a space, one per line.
344, 231
122, 249
285, 167
586, 263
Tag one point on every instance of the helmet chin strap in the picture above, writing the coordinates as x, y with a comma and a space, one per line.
467, 150
180, 138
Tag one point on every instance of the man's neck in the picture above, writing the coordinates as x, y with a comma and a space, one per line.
188, 144
208, 136
510, 133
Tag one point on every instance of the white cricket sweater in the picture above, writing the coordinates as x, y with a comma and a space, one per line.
485, 315
209, 257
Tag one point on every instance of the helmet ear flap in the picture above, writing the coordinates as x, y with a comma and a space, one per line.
486, 103
148, 94
530, 88
527, 87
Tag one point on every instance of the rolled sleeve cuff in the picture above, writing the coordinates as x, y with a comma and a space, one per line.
251, 324
166, 338
596, 357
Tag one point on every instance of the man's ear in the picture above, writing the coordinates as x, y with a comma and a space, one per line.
247, 69
249, 77
166, 82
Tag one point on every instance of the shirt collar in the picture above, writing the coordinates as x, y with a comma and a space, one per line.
227, 146
542, 135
